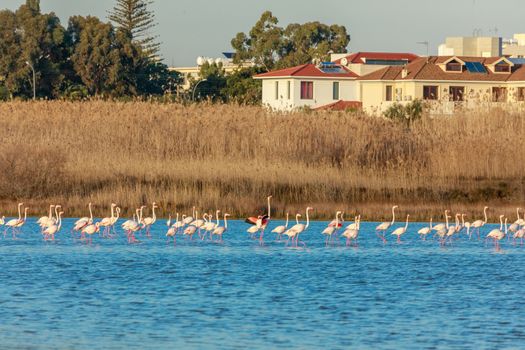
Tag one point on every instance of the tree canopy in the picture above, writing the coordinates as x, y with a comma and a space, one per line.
271, 46
90, 57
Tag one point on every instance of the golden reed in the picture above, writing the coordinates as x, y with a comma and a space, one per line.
231, 157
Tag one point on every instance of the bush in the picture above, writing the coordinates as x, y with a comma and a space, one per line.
406, 114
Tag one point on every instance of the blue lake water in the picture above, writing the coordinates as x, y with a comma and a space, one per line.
111, 295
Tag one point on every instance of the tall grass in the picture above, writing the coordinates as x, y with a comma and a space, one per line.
231, 157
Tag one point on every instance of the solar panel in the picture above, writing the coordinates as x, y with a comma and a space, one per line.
480, 67
475, 67
333, 70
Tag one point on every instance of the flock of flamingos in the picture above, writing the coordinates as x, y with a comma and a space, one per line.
209, 227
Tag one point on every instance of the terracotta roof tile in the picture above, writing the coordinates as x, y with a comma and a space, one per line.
361, 57
427, 68
306, 70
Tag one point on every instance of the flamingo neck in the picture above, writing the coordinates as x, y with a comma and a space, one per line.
225, 221
406, 225
485, 214
19, 212
393, 215
297, 219
500, 223
217, 216
446, 220
90, 212
154, 215
50, 211
59, 221
431, 223
269, 209
112, 212
307, 218
286, 225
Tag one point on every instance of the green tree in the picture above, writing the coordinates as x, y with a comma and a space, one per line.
242, 88
134, 18
215, 77
271, 46
263, 45
313, 40
95, 57
29, 37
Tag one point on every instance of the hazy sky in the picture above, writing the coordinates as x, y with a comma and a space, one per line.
190, 28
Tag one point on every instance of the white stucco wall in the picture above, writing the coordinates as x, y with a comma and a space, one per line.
323, 92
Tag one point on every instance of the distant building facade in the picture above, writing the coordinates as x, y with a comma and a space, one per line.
446, 83
190, 74
471, 46
329, 85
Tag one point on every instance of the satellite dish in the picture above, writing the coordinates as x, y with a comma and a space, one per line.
200, 61
344, 61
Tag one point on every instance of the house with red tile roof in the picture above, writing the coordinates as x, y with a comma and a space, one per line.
363, 63
308, 86
446, 83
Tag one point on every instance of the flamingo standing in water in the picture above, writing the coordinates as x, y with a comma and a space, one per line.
386, 225
401, 230
425, 231
498, 234
298, 228
20, 223
83, 222
332, 229
52, 230
219, 231
465, 224
210, 225
90, 230
260, 222
280, 229
2, 221
480, 223
351, 233
108, 222
150, 220
11, 224
43, 221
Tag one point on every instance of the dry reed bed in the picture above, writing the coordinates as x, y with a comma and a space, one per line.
232, 157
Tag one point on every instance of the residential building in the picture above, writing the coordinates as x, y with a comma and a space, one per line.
328, 85
310, 86
515, 47
446, 82
477, 46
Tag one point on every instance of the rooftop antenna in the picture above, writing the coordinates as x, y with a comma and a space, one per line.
426, 43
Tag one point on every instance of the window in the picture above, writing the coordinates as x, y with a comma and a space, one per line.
454, 67
457, 93
307, 90
276, 90
499, 94
389, 93
502, 67
288, 89
335, 91
430, 92
521, 94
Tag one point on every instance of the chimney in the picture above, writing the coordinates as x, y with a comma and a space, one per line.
404, 72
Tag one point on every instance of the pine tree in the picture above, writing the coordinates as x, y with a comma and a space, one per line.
134, 17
